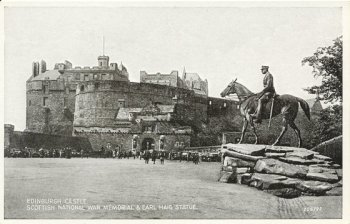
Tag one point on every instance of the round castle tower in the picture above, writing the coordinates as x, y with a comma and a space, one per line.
51, 93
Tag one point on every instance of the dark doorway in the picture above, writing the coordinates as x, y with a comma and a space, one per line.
148, 144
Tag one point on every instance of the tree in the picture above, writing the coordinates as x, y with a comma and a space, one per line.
327, 62
328, 125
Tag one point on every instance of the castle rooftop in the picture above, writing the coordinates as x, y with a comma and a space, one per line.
48, 75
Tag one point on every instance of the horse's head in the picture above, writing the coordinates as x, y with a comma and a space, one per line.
230, 89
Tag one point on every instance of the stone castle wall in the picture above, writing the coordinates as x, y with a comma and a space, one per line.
56, 116
97, 102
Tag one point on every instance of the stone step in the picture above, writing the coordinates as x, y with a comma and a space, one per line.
319, 169
316, 187
279, 149
322, 157
326, 177
302, 154
227, 152
274, 154
297, 160
242, 170
246, 149
273, 166
272, 181
227, 177
287, 192
237, 162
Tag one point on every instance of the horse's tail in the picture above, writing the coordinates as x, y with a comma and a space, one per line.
305, 106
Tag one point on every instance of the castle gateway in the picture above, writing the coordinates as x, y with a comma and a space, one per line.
163, 111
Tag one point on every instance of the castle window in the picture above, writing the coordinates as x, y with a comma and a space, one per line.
95, 76
100, 63
224, 104
209, 102
82, 88
97, 85
148, 128
29, 102
86, 77
45, 101
121, 103
104, 76
46, 89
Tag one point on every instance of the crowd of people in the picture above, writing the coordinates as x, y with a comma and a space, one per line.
65, 152
68, 152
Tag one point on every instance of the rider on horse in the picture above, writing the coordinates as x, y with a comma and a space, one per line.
267, 93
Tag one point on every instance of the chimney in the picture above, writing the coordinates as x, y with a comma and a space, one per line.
42, 67
35, 69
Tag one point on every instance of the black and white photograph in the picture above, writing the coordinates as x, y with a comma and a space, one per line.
174, 110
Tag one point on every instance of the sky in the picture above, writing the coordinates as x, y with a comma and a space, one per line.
218, 43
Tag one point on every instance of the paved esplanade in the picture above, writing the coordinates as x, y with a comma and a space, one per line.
74, 188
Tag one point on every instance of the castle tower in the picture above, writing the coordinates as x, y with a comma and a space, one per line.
9, 129
103, 61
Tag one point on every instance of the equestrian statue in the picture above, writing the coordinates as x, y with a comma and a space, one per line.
265, 105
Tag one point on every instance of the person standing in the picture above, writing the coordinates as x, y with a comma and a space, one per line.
141, 154
103, 152
154, 156
162, 156
113, 153
147, 156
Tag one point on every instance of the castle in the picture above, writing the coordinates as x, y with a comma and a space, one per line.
163, 111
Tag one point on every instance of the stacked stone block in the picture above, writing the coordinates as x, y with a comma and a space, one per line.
283, 171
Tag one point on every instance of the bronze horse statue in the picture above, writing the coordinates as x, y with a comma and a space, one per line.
286, 105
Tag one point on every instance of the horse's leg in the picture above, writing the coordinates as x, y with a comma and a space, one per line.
254, 131
297, 132
284, 129
245, 124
